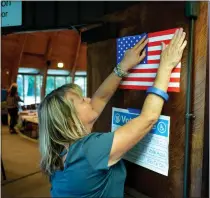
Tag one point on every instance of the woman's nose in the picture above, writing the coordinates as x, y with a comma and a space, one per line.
88, 100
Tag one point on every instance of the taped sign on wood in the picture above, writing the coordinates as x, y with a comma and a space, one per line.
152, 151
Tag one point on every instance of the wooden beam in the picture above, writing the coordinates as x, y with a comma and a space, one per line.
18, 57
33, 54
89, 27
49, 46
44, 82
47, 56
73, 70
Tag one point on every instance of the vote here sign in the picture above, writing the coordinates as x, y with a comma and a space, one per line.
152, 151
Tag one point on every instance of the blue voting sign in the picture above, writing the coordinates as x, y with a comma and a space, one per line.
122, 117
150, 152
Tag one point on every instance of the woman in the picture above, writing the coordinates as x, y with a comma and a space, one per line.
84, 164
12, 106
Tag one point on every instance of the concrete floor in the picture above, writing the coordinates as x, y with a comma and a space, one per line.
21, 162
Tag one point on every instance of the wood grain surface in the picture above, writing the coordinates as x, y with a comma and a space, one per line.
151, 17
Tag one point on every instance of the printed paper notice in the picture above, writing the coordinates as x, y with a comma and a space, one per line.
152, 151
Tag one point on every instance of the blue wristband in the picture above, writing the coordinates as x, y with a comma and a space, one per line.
158, 92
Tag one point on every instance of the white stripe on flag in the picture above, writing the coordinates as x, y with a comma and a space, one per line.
161, 38
154, 57
154, 48
139, 83
151, 75
151, 66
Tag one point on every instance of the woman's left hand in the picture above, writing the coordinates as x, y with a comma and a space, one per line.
134, 55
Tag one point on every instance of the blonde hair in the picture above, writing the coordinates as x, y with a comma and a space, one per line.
58, 125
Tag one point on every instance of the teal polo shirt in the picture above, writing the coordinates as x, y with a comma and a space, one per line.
86, 173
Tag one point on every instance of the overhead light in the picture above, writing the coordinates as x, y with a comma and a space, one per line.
60, 65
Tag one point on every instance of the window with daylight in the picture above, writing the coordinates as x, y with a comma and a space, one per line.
81, 80
57, 78
29, 85
30, 82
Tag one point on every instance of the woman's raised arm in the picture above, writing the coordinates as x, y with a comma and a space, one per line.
131, 133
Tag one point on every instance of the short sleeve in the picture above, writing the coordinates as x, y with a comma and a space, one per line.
97, 148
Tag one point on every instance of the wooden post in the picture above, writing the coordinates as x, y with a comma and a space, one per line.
44, 82
198, 101
17, 60
47, 58
73, 70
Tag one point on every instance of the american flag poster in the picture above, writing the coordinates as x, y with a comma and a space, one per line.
142, 76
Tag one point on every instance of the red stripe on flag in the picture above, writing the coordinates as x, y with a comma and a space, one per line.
175, 70
161, 33
151, 53
173, 89
140, 79
153, 61
170, 89
143, 71
158, 43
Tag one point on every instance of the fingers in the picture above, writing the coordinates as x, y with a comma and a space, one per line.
139, 43
142, 46
142, 55
181, 39
174, 37
178, 37
183, 45
163, 46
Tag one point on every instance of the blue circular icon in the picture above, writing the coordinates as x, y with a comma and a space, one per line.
117, 118
161, 127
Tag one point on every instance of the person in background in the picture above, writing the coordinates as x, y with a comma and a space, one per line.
12, 106
83, 163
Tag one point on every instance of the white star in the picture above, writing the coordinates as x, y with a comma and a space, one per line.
126, 41
124, 45
128, 38
123, 38
121, 42
131, 41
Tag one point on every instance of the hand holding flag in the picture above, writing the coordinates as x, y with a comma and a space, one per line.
134, 55
143, 74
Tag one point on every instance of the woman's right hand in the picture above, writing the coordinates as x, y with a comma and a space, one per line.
172, 54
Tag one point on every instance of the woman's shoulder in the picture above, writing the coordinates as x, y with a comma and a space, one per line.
92, 138
96, 135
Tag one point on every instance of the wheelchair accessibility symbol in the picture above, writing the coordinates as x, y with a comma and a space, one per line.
161, 127
117, 118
